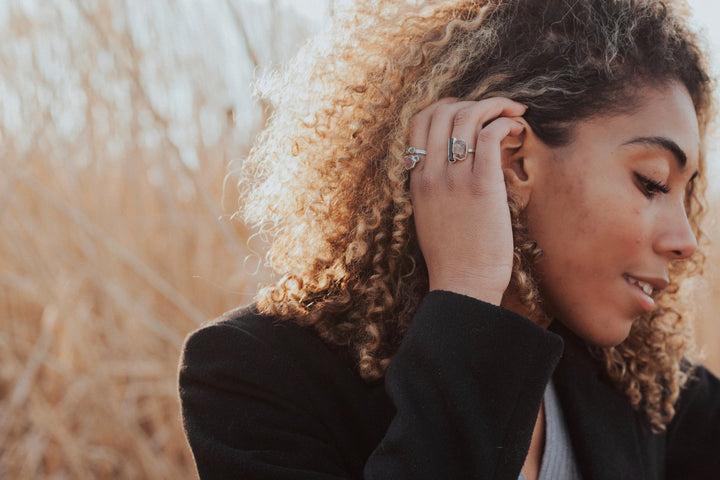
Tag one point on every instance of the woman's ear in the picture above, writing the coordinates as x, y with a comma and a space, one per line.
522, 158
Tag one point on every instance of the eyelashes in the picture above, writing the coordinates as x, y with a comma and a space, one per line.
649, 187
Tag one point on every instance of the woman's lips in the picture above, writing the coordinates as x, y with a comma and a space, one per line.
642, 291
645, 286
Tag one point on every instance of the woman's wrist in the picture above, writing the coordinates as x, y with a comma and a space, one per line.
478, 292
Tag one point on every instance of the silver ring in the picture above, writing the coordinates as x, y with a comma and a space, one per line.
457, 149
414, 151
471, 150
410, 161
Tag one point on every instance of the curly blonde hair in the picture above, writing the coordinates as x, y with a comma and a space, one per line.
325, 179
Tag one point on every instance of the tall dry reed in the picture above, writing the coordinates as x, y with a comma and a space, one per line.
102, 275
116, 233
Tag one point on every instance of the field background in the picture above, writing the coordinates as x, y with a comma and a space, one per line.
118, 123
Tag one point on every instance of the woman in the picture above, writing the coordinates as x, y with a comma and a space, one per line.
486, 210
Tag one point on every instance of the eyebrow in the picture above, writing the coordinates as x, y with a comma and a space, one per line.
665, 144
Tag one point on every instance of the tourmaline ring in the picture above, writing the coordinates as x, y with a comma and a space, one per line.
412, 156
410, 161
457, 149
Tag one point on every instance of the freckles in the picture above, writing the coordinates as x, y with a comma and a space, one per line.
572, 190
588, 220
588, 226
639, 238
583, 211
575, 185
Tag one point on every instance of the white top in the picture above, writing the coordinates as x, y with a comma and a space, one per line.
558, 460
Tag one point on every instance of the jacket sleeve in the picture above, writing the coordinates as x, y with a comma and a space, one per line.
693, 441
467, 383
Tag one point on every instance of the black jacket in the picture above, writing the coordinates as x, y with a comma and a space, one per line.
269, 400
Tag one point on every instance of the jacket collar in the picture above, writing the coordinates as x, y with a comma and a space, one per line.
600, 420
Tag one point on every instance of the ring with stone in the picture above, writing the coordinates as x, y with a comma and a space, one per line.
415, 151
410, 161
457, 149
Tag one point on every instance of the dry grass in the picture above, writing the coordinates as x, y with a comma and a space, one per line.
110, 256
115, 242
102, 275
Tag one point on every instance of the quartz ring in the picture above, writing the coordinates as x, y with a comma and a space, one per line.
457, 149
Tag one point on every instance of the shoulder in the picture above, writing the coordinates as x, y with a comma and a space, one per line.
245, 330
243, 321
693, 439
233, 337
259, 396
700, 393
243, 346
240, 329
702, 386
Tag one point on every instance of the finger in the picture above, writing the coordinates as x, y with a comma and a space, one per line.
488, 158
441, 125
491, 108
468, 122
419, 128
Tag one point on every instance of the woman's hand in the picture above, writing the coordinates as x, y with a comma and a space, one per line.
461, 212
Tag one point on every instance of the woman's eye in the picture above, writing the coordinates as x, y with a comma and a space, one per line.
650, 187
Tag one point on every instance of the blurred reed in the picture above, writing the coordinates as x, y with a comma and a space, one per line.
117, 238
102, 275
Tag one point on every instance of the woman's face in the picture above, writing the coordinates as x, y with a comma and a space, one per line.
608, 211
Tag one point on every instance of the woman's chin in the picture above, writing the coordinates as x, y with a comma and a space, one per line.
601, 334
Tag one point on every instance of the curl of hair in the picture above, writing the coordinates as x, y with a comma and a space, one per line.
326, 181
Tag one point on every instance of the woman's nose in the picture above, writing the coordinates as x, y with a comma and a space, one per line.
676, 239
